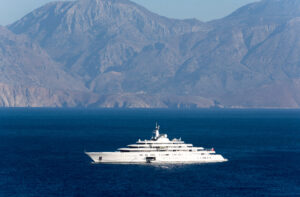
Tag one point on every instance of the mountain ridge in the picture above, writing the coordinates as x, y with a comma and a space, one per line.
116, 47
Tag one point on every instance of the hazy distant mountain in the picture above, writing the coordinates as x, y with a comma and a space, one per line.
28, 75
248, 59
126, 56
91, 36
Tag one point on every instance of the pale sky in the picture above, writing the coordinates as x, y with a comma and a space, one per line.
204, 10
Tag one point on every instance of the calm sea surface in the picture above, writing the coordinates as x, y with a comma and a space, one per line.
42, 153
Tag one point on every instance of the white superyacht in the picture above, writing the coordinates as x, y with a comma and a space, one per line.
159, 149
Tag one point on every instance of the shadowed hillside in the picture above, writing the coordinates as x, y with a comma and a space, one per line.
115, 53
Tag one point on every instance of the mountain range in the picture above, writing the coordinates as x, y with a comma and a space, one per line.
115, 53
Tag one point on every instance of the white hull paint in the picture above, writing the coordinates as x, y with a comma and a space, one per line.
159, 149
165, 157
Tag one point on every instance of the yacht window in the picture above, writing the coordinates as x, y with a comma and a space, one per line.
190, 150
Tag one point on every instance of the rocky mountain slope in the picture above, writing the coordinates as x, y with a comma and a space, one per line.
115, 53
28, 75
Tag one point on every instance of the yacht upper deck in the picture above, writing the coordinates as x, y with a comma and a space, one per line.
160, 142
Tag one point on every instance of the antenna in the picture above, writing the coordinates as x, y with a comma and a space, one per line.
156, 131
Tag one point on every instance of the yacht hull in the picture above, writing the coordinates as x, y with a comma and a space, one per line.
159, 157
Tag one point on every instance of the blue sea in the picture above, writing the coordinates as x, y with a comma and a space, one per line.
42, 152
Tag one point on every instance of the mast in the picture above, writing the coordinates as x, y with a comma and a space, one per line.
156, 131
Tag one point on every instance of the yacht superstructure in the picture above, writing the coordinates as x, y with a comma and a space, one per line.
159, 149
